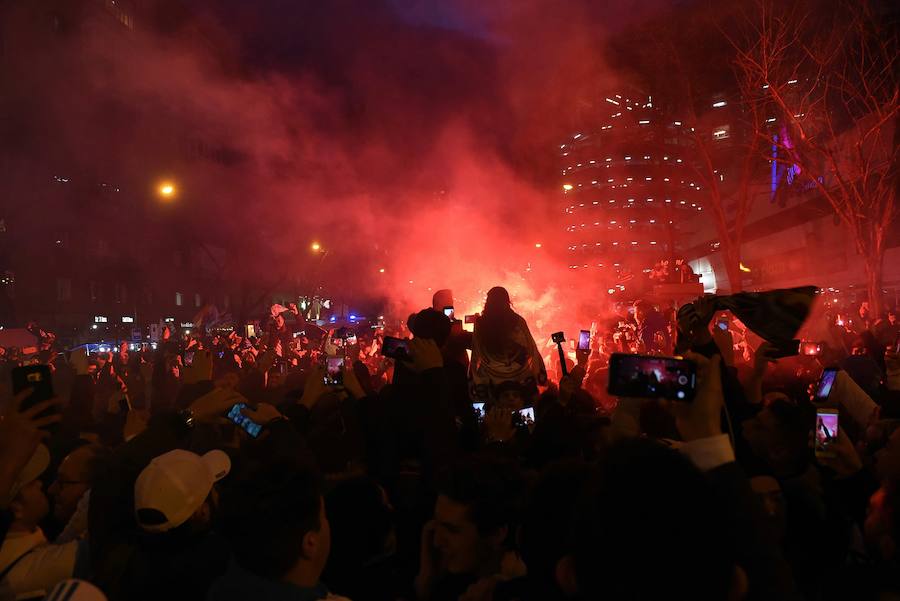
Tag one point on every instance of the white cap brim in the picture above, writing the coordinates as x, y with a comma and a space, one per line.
218, 463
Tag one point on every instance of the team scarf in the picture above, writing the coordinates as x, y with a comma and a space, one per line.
774, 315
521, 363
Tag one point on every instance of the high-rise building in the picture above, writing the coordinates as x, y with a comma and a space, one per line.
627, 195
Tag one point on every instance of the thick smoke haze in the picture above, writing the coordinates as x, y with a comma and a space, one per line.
411, 137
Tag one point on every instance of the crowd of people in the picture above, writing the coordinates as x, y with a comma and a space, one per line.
304, 464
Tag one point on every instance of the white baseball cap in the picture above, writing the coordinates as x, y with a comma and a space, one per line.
176, 484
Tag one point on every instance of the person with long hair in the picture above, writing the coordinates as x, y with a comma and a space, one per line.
503, 349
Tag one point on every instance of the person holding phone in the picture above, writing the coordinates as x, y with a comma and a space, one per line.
27, 560
652, 331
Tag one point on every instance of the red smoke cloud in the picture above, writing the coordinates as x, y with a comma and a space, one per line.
417, 147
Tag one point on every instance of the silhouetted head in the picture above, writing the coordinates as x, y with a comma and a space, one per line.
497, 301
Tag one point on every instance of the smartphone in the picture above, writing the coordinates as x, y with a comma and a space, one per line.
826, 431
527, 416
334, 371
395, 348
645, 376
36, 377
470, 318
448, 311
826, 382
810, 348
722, 324
189, 358
558, 337
479, 410
250, 330
248, 425
584, 340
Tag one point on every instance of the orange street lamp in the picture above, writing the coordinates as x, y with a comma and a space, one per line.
167, 190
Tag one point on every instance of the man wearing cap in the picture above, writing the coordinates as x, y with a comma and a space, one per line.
178, 554
28, 564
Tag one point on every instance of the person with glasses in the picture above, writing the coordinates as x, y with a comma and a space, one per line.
70, 491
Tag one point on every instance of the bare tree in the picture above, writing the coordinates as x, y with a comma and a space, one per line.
670, 56
825, 77
726, 167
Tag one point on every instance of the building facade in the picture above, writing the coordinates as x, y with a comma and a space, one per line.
628, 198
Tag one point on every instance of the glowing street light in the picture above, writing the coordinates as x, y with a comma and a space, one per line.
166, 190
538, 245
316, 247
567, 187
381, 270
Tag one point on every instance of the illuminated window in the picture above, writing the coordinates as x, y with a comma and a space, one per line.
179, 299
197, 300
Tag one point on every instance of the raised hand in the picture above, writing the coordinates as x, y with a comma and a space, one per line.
263, 414
702, 417
314, 387
424, 354
498, 425
842, 456
763, 356
20, 433
351, 382
215, 403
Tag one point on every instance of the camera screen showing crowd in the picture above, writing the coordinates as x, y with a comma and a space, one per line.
734, 447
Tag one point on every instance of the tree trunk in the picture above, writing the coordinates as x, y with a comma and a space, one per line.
732, 260
874, 274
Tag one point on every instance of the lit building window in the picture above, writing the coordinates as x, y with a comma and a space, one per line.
721, 132
179, 299
197, 300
